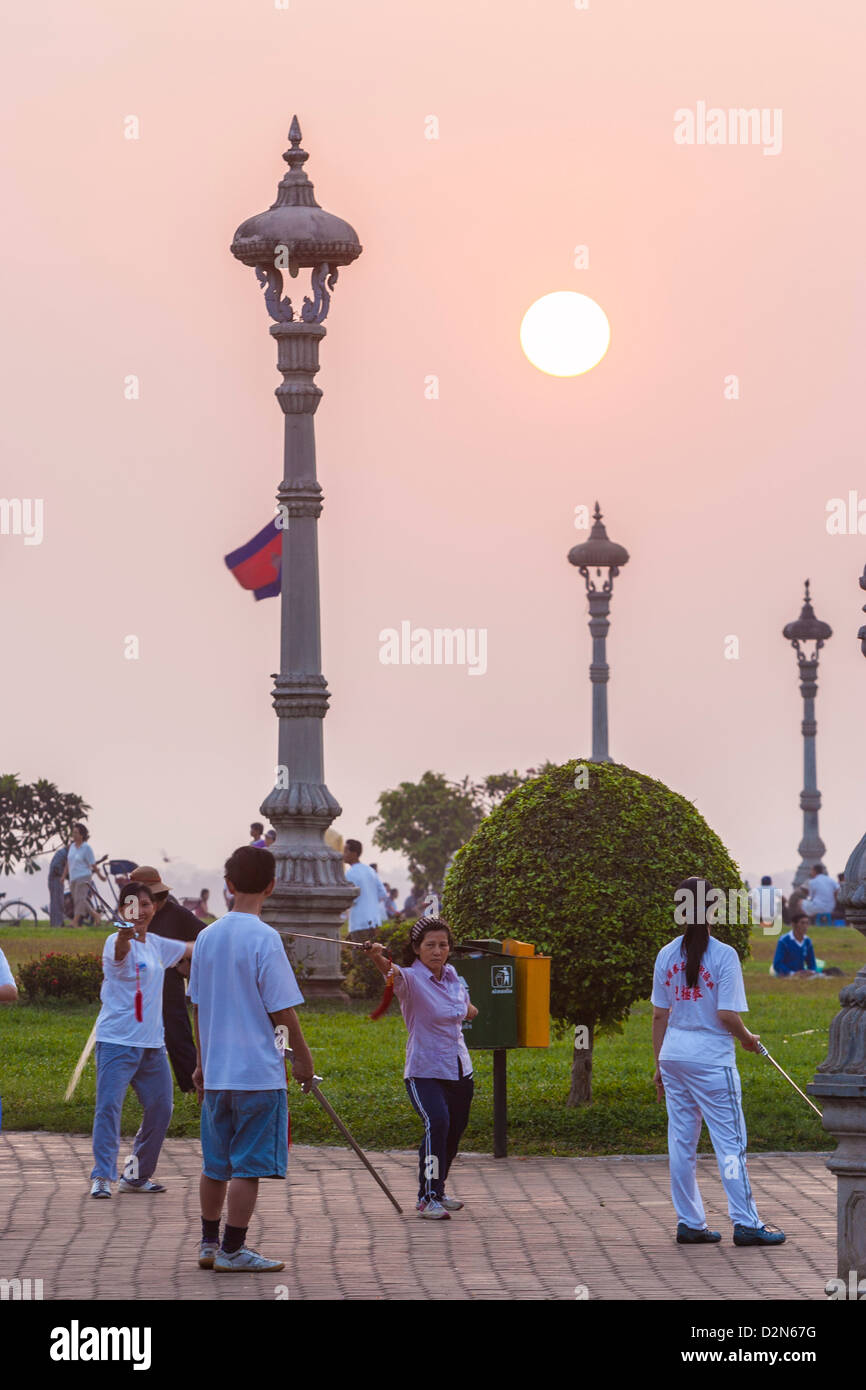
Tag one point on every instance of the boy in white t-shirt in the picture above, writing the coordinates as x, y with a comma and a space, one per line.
698, 996
242, 989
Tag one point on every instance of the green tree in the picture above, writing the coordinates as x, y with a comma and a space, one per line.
429, 820
31, 818
585, 867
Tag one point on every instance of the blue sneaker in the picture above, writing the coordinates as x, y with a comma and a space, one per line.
758, 1235
207, 1253
689, 1235
245, 1261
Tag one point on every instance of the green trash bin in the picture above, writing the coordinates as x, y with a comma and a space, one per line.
493, 990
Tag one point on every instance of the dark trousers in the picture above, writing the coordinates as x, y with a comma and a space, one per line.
55, 899
444, 1108
179, 1041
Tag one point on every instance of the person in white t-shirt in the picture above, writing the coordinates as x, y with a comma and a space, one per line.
368, 909
8, 987
821, 902
80, 864
244, 995
698, 996
130, 1045
8, 995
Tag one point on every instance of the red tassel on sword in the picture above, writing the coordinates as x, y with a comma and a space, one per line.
387, 996
387, 993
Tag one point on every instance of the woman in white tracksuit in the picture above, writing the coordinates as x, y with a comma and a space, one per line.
698, 996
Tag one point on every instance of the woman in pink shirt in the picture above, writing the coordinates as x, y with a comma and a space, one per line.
438, 1074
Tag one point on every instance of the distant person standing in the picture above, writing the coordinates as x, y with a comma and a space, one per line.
414, 903
270, 838
821, 902
366, 911
257, 831
56, 873
391, 905
202, 910
80, 864
766, 902
839, 911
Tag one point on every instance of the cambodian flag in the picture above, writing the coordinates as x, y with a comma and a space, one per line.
256, 565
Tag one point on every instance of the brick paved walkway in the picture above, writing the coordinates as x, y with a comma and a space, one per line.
533, 1228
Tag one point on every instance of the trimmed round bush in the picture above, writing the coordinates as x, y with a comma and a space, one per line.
583, 861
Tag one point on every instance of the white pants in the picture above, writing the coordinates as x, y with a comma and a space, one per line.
696, 1093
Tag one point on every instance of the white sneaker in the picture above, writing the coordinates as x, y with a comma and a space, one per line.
451, 1203
126, 1186
245, 1261
101, 1188
433, 1210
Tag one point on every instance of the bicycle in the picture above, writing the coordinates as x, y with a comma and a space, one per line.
16, 913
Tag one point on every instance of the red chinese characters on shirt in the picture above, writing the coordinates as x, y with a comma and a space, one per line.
683, 991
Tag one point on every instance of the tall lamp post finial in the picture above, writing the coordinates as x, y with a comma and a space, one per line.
599, 554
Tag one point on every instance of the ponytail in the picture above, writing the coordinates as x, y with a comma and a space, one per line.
696, 937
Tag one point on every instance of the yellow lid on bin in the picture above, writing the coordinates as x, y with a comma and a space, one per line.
511, 947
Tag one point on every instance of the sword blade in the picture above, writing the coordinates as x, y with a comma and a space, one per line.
328, 940
766, 1054
81, 1064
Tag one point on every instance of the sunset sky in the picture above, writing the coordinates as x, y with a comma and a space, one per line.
555, 130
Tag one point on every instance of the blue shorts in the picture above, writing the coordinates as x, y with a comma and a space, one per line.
244, 1134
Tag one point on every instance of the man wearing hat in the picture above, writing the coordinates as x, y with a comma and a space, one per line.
178, 924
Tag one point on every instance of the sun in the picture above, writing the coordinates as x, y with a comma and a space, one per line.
565, 333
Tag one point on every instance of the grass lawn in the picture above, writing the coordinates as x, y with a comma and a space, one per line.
362, 1066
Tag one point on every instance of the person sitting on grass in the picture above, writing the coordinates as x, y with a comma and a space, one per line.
130, 1045
795, 954
243, 989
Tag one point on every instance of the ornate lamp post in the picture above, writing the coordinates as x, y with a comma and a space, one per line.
812, 634
841, 1081
599, 553
312, 892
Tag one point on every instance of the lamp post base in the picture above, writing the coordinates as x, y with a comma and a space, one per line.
841, 1082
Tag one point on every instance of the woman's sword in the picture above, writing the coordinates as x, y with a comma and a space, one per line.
764, 1053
